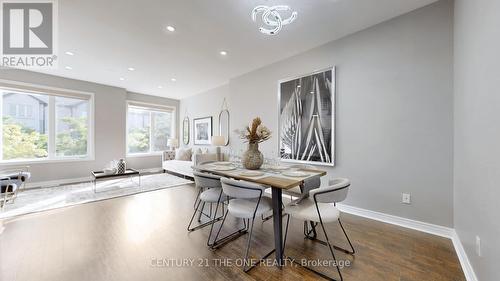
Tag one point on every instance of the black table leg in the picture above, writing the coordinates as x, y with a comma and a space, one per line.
277, 223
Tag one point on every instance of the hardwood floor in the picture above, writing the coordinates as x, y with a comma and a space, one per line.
135, 237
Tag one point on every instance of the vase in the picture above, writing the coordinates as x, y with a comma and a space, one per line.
252, 158
121, 166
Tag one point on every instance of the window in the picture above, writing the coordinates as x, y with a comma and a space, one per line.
44, 126
148, 128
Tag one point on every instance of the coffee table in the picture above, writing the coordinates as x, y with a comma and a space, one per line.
100, 175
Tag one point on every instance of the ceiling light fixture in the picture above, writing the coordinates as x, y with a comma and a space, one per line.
70, 53
122, 79
272, 18
160, 87
170, 28
173, 79
131, 69
68, 67
223, 53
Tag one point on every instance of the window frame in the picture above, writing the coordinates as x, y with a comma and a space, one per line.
51, 93
150, 107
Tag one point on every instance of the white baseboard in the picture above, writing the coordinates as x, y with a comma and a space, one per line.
419, 226
404, 222
470, 275
53, 183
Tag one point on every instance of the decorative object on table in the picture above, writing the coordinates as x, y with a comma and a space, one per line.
109, 171
111, 168
278, 168
224, 129
173, 143
306, 121
185, 131
121, 166
224, 168
218, 141
254, 134
295, 174
251, 173
12, 180
202, 130
275, 17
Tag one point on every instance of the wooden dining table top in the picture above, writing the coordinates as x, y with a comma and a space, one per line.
270, 178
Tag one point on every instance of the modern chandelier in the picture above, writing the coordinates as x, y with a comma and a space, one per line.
272, 18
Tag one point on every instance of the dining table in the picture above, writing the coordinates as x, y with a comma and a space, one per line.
278, 178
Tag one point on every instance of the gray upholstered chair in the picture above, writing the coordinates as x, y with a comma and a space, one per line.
211, 192
247, 202
320, 208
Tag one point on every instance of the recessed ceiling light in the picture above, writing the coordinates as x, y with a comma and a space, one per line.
173, 79
160, 87
223, 53
131, 69
170, 28
70, 53
122, 79
68, 67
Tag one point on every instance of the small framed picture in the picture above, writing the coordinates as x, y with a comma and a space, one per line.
202, 131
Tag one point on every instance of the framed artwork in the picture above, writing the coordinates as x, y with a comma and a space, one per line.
202, 131
185, 130
307, 118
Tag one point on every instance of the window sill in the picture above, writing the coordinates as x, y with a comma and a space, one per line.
138, 155
44, 161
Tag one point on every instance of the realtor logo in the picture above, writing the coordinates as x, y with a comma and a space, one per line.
28, 37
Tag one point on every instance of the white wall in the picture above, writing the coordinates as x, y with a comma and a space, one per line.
110, 126
205, 105
394, 111
477, 133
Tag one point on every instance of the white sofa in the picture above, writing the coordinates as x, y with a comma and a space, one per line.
182, 167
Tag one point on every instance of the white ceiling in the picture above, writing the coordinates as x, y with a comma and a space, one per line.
108, 36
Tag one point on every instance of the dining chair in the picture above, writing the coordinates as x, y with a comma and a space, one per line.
309, 184
199, 189
212, 193
301, 192
247, 202
319, 207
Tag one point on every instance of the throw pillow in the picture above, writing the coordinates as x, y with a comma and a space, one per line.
183, 154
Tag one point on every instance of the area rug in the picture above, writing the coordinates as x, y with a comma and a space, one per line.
43, 199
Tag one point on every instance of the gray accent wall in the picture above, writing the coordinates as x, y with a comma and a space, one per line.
394, 111
110, 126
477, 132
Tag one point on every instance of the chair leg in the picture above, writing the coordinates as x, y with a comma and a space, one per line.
294, 260
247, 266
249, 240
212, 225
211, 220
331, 249
217, 243
201, 213
348, 240
286, 231
197, 198
313, 238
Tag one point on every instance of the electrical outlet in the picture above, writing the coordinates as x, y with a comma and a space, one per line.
478, 246
406, 199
